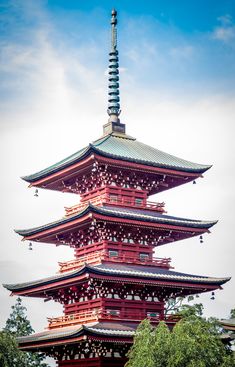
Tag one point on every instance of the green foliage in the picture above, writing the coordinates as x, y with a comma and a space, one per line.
193, 342
176, 305
173, 305
232, 314
191, 310
161, 345
34, 360
10, 355
17, 325
141, 354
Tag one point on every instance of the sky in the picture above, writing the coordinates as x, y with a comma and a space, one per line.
177, 85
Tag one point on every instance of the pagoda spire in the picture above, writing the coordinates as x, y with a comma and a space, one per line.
113, 125
113, 89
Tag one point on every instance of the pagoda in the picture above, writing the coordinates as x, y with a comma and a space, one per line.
115, 280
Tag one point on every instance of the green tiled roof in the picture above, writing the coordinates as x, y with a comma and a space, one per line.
60, 333
119, 270
129, 213
123, 147
105, 328
133, 150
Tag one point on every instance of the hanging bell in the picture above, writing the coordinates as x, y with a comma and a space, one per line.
30, 246
194, 182
36, 193
213, 295
201, 239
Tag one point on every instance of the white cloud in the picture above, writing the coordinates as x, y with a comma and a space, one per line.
225, 32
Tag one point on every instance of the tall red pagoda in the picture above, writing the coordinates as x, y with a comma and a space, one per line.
114, 280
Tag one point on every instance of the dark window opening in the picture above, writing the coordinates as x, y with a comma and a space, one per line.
144, 256
113, 198
113, 253
138, 201
113, 312
152, 314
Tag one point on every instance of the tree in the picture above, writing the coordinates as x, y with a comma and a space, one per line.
193, 342
17, 325
10, 355
161, 345
232, 314
175, 305
190, 310
141, 354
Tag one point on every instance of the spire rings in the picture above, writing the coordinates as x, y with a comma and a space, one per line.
113, 86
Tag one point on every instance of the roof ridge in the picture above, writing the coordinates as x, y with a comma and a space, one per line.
101, 140
123, 136
161, 218
133, 270
148, 216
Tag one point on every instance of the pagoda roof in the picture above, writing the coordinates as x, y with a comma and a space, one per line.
126, 148
124, 213
142, 273
228, 324
105, 329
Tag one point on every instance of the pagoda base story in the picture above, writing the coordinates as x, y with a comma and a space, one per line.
94, 362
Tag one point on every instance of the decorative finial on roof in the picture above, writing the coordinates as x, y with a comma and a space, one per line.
113, 105
113, 125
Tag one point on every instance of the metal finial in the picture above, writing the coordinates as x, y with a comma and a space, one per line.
113, 91
114, 30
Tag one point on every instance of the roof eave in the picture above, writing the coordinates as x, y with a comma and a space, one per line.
26, 287
31, 232
37, 176
199, 171
91, 208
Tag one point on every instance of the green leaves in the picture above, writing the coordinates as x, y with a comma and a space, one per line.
17, 325
176, 306
191, 310
141, 354
161, 345
232, 314
193, 342
10, 355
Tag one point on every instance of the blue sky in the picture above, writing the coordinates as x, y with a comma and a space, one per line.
177, 84
162, 43
190, 16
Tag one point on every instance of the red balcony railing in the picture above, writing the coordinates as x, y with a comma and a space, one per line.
114, 315
117, 201
99, 256
72, 319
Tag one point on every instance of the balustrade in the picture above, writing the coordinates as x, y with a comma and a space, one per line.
116, 200
114, 315
99, 256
